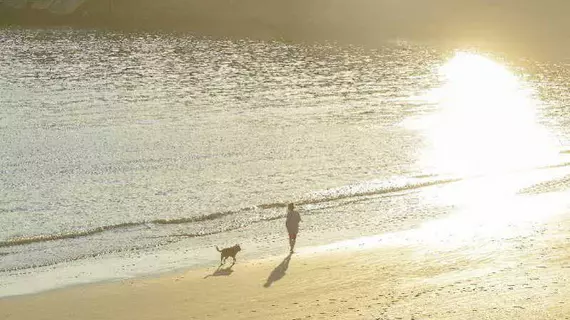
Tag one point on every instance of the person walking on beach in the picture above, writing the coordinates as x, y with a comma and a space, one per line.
292, 224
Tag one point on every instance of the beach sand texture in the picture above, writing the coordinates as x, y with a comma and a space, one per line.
515, 277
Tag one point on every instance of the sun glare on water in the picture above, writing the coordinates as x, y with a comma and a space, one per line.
486, 129
486, 122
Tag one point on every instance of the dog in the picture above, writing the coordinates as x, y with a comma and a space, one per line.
228, 252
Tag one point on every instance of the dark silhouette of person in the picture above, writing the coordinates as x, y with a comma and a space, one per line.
292, 224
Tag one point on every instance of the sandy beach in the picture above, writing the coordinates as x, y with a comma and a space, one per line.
516, 274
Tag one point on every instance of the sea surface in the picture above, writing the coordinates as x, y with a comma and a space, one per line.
126, 154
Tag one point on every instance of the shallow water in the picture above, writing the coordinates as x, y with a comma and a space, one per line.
116, 144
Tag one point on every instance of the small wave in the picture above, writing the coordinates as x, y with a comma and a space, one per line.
84, 233
554, 166
10, 210
352, 191
425, 176
52, 237
272, 205
362, 190
204, 234
556, 185
200, 234
212, 216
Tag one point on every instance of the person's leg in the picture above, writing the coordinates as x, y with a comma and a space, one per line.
292, 240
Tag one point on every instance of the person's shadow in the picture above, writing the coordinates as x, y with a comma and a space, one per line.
221, 271
278, 272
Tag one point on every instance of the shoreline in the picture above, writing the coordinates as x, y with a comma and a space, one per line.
520, 275
171, 259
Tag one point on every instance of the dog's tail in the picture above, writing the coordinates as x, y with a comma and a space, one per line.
218, 249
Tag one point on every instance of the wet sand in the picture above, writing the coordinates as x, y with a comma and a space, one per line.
507, 277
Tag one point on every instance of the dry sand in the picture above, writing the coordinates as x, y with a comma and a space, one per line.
511, 277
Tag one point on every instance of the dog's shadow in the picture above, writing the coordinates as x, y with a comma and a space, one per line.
278, 272
221, 271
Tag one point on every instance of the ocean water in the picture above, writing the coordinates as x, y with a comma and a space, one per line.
124, 154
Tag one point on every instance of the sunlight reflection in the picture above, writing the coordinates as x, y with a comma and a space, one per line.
486, 121
485, 129
479, 229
